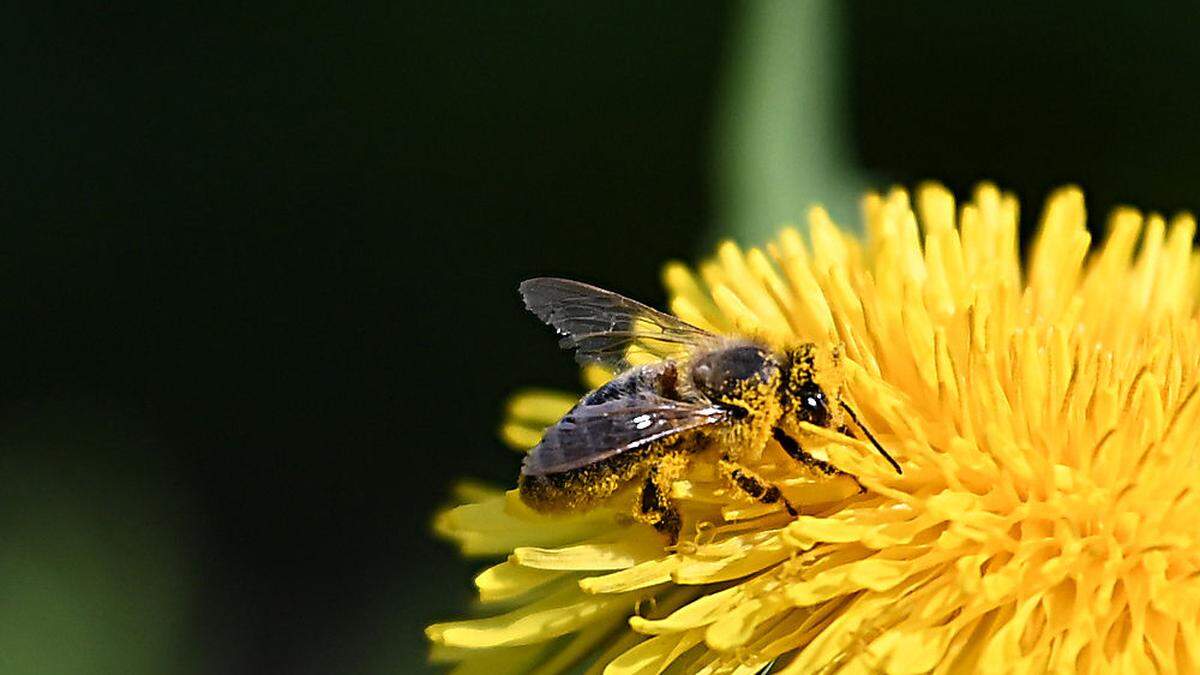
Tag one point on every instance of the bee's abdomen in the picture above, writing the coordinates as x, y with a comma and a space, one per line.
579, 488
545, 493
623, 386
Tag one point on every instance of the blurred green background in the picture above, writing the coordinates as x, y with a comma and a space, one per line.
259, 264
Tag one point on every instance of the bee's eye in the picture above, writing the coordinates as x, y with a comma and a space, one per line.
814, 406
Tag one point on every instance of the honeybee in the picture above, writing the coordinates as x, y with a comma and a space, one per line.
646, 424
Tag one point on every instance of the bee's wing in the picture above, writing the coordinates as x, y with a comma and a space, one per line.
590, 433
602, 325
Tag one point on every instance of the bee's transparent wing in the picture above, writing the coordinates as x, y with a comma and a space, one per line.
591, 433
602, 326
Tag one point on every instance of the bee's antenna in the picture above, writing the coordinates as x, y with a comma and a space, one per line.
894, 463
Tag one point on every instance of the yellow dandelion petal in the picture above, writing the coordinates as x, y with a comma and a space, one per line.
652, 656
643, 575
559, 613
622, 551
1047, 418
510, 580
529, 413
497, 524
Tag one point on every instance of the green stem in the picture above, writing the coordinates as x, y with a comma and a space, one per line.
782, 140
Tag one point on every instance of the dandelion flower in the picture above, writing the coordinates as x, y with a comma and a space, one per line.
1047, 421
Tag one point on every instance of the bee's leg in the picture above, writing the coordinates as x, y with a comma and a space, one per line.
654, 500
792, 447
750, 483
654, 506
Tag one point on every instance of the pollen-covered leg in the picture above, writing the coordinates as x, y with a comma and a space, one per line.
654, 505
749, 482
655, 508
792, 447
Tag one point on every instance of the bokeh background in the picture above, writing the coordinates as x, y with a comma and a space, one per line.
258, 264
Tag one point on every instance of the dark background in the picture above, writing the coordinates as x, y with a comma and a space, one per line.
258, 269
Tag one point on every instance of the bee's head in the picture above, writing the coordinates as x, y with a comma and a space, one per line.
803, 399
740, 376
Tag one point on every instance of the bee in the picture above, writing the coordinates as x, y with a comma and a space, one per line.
646, 424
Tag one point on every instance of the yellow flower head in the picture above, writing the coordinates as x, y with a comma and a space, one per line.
1046, 419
